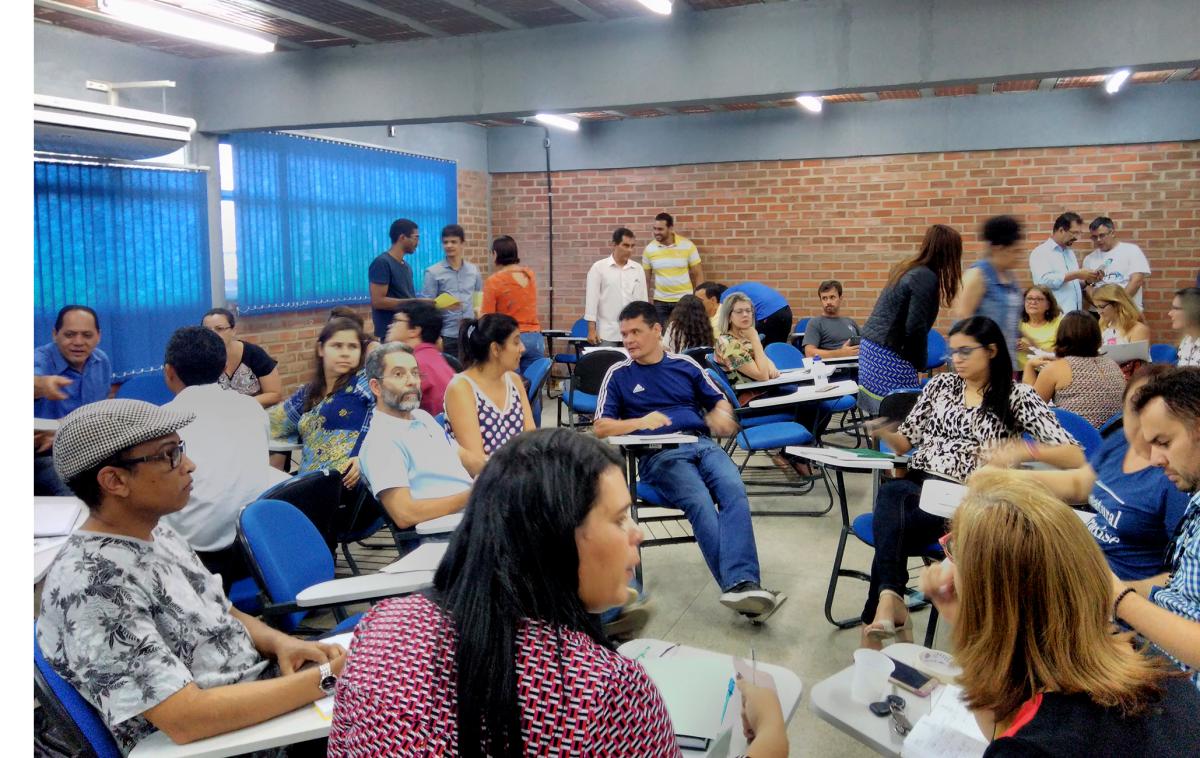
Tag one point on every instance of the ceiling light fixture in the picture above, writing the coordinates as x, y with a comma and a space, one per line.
164, 19
810, 103
662, 7
560, 122
1113, 81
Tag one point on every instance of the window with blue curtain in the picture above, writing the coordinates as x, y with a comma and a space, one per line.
132, 243
311, 214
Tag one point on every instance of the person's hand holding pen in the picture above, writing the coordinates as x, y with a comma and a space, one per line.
762, 715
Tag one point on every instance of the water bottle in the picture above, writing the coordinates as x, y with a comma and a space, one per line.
820, 372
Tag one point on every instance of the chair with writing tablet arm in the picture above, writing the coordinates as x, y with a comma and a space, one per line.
69, 711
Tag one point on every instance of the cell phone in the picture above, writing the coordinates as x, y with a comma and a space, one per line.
855, 340
909, 678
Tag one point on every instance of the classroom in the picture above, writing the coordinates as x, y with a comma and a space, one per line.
616, 377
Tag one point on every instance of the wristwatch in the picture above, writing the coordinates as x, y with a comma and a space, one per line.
328, 681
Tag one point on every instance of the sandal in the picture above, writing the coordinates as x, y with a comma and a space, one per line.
882, 629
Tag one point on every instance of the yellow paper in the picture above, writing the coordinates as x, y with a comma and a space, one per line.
445, 300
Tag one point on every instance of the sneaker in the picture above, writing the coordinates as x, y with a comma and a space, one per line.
749, 598
758, 618
634, 615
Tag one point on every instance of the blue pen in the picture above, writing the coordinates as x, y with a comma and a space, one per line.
728, 695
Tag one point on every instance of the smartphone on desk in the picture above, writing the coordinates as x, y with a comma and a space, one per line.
909, 678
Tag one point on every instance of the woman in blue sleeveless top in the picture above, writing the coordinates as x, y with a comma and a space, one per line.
990, 287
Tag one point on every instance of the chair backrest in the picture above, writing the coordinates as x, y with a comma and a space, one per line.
711, 361
69, 708
454, 362
590, 371
699, 354
802, 325
1112, 425
318, 495
1086, 434
579, 328
285, 552
723, 384
1167, 354
150, 387
441, 419
536, 374
784, 356
935, 350
897, 404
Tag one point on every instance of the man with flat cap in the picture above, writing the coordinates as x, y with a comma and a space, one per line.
132, 619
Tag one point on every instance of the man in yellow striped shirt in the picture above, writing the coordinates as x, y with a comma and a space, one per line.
672, 266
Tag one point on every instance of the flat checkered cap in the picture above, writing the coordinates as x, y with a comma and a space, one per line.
94, 432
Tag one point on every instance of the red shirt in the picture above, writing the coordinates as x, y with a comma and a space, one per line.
396, 696
502, 293
435, 375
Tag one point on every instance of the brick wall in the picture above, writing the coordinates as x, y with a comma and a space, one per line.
290, 338
793, 223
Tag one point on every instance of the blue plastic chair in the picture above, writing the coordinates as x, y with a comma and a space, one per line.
1167, 354
578, 329
798, 331
150, 387
245, 596
69, 709
748, 420
583, 388
936, 349
1086, 434
784, 356
536, 374
287, 555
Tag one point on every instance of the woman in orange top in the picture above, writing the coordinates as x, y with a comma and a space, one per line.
512, 290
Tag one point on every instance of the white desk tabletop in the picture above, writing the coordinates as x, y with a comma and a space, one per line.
790, 688
45, 424
634, 440
807, 393
440, 525
555, 333
283, 446
830, 699
835, 457
424, 558
364, 587
46, 549
791, 376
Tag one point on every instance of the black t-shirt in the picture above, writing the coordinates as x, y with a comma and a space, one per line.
1068, 725
398, 277
257, 359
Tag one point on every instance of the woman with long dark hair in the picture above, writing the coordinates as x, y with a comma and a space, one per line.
486, 404
330, 414
961, 420
504, 656
512, 290
688, 327
894, 338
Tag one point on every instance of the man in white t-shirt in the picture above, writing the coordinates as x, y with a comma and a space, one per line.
415, 471
1121, 263
612, 283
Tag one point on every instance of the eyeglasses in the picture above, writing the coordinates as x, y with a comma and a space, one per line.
962, 352
946, 543
743, 312
220, 329
1101, 236
172, 455
1104, 305
1038, 299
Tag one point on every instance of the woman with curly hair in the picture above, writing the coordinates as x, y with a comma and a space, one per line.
688, 327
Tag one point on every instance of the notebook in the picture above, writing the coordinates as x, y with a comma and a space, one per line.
694, 691
445, 300
948, 731
941, 498
1129, 351
324, 706
55, 516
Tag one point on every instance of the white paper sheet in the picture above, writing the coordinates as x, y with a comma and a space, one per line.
949, 731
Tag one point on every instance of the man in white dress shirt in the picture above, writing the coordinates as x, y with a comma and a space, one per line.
228, 442
1121, 263
612, 283
1054, 265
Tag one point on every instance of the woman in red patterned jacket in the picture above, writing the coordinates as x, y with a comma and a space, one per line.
546, 543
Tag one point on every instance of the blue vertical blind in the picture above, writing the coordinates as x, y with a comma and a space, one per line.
132, 243
312, 214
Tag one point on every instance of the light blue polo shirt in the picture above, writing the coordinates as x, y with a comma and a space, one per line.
462, 284
413, 453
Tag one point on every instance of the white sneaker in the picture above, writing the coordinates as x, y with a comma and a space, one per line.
749, 598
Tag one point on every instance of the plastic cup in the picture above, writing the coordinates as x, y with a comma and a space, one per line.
808, 362
871, 671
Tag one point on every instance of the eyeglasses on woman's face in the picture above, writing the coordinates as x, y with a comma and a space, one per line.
743, 311
962, 353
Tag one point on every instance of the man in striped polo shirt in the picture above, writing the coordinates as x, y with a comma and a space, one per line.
672, 264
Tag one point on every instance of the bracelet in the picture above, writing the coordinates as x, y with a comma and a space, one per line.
1117, 602
1033, 450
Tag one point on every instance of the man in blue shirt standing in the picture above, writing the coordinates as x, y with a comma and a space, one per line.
458, 278
772, 314
657, 392
68, 372
1054, 265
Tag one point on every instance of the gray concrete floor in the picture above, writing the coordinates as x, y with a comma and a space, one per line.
796, 555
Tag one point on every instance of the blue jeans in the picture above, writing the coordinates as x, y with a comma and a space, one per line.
692, 477
535, 347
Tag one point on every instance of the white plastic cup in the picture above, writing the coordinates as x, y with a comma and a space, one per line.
821, 375
871, 671
808, 362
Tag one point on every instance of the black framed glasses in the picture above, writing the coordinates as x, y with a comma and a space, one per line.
173, 456
962, 352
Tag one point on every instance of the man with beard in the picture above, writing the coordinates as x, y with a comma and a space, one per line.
831, 335
1165, 609
414, 470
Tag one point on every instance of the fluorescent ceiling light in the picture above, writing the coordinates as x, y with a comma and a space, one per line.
561, 122
658, 6
810, 103
165, 19
1114, 81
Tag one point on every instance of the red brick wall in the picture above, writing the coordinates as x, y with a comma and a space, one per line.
793, 223
290, 338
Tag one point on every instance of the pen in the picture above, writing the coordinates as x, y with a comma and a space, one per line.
753, 668
728, 695
643, 653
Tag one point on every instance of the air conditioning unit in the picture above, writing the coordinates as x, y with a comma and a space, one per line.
78, 127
